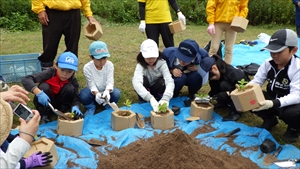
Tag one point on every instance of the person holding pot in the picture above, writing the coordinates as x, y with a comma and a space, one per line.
223, 78
152, 80
183, 62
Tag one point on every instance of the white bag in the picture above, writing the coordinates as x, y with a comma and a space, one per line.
265, 38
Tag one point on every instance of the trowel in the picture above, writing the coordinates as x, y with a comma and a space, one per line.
287, 163
59, 113
140, 122
113, 105
233, 132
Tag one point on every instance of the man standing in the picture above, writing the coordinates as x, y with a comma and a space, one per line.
60, 18
155, 18
297, 16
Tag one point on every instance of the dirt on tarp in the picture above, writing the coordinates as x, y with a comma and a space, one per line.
172, 150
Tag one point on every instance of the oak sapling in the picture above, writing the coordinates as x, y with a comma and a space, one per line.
241, 84
162, 108
202, 98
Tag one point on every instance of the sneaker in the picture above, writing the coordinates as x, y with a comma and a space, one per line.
290, 135
268, 124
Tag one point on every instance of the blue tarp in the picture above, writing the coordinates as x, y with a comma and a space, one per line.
98, 127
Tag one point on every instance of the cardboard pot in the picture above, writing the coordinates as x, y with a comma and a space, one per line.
123, 119
93, 31
44, 145
176, 26
69, 127
239, 24
248, 98
162, 121
202, 110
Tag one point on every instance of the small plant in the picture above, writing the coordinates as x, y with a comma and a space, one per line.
202, 98
127, 103
241, 84
162, 108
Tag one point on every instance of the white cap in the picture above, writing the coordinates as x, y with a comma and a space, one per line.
149, 49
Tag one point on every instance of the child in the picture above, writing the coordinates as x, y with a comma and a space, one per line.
152, 79
282, 72
222, 80
99, 75
183, 62
57, 85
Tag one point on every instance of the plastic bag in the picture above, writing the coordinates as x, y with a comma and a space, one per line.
265, 38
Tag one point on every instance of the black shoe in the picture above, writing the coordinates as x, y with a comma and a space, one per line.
291, 135
268, 124
220, 105
44, 120
232, 116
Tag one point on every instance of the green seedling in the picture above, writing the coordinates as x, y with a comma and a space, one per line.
242, 83
202, 96
162, 108
127, 103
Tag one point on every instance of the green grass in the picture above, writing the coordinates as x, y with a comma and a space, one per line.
123, 43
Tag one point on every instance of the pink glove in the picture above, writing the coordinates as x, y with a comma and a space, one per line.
38, 159
211, 29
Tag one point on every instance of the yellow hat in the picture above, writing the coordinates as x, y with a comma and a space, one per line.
6, 119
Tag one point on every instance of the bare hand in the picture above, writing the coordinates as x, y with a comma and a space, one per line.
16, 94
192, 68
43, 17
92, 19
177, 72
31, 127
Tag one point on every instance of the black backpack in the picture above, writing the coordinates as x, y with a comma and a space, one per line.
249, 69
222, 42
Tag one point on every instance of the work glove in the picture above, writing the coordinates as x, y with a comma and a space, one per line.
142, 26
221, 97
38, 159
75, 109
211, 29
43, 98
264, 105
106, 95
161, 102
154, 104
99, 99
181, 17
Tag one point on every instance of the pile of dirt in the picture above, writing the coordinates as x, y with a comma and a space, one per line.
172, 150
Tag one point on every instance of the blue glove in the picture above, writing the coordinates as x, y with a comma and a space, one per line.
76, 110
43, 98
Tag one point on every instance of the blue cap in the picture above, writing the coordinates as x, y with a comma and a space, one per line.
187, 50
206, 63
68, 60
98, 50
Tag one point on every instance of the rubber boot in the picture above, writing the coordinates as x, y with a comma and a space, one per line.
90, 109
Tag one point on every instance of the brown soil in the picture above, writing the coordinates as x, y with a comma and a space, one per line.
172, 150
205, 105
123, 113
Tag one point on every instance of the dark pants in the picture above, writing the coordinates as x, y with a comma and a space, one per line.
157, 89
61, 101
193, 80
289, 114
67, 23
153, 31
298, 31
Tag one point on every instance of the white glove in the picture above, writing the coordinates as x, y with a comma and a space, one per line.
106, 95
154, 104
142, 26
99, 98
211, 29
161, 102
264, 105
181, 17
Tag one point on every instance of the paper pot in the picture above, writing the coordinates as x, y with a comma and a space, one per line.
123, 119
176, 26
93, 31
202, 110
239, 24
44, 145
162, 121
68, 127
247, 99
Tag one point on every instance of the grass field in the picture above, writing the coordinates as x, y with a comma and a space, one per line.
123, 43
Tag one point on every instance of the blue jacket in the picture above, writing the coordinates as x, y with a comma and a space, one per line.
297, 16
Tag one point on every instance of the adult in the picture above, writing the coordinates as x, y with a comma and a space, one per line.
60, 18
220, 14
155, 18
297, 16
282, 72
183, 63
